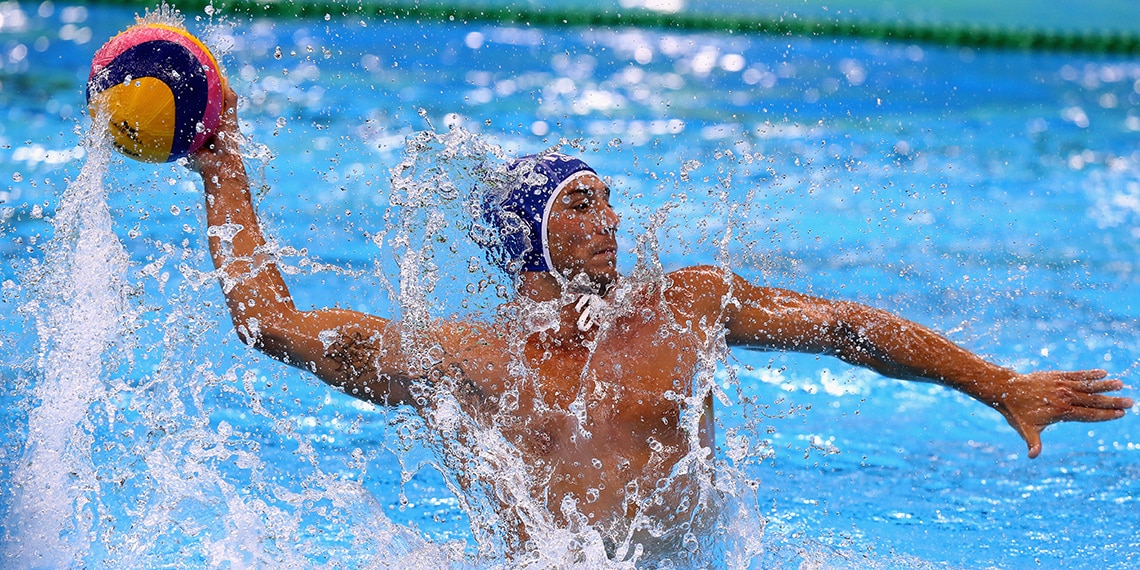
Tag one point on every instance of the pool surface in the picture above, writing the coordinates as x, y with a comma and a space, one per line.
992, 195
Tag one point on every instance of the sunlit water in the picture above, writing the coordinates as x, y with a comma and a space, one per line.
991, 195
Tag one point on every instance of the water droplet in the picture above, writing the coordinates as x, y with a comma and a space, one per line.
277, 52
17, 177
175, 210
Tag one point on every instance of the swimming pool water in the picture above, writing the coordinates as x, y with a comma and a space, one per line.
991, 195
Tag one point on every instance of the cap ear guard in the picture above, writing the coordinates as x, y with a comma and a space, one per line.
545, 227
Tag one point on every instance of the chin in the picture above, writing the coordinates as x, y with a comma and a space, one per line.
600, 276
604, 279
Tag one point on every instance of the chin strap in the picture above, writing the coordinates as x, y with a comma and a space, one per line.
589, 307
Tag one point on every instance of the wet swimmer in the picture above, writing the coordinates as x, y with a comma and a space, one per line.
593, 395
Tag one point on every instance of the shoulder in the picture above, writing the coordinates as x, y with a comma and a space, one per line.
476, 356
711, 290
699, 280
700, 291
461, 337
475, 347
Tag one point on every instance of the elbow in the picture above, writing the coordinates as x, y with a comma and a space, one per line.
848, 339
847, 343
860, 338
248, 329
265, 331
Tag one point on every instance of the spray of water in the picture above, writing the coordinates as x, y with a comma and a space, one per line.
127, 467
687, 517
80, 310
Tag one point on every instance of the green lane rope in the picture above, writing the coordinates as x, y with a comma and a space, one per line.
975, 36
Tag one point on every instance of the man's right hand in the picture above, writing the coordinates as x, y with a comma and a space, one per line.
225, 142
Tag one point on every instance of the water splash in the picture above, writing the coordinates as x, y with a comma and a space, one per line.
152, 471
435, 191
81, 311
127, 462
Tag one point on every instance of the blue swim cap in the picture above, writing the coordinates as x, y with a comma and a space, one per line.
519, 214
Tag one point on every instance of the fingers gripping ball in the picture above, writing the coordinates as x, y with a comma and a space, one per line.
159, 88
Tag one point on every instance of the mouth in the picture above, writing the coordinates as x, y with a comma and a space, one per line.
609, 250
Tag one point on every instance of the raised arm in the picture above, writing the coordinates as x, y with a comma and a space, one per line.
766, 318
360, 353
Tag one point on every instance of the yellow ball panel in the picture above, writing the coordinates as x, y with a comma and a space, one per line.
141, 117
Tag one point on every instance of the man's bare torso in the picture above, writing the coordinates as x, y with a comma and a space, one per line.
596, 416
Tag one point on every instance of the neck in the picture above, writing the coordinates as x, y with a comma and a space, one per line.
541, 286
545, 286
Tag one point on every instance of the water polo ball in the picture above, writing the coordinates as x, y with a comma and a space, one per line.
160, 90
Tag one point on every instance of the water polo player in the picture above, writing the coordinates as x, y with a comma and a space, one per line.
593, 411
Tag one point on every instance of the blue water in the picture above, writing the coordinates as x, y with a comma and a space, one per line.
994, 196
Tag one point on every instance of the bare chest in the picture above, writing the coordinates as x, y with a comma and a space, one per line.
589, 418
627, 391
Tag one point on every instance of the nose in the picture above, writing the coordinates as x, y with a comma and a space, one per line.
608, 219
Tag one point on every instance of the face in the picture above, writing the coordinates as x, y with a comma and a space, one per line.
581, 231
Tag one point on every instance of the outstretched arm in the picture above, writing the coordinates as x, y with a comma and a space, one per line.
360, 353
766, 318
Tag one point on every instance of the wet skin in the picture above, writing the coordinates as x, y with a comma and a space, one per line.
582, 229
630, 432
